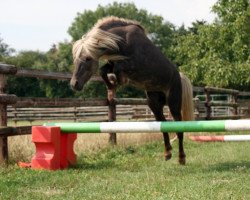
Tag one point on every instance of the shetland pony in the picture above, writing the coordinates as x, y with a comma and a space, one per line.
134, 59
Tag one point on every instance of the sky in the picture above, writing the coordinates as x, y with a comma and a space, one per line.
38, 24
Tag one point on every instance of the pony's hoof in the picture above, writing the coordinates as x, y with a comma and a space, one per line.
168, 156
112, 80
182, 160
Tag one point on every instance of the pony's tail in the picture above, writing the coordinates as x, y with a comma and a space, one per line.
187, 99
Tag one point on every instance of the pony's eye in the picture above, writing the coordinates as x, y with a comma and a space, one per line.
88, 59
103, 48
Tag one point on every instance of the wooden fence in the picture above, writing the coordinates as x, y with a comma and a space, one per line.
27, 109
77, 114
32, 109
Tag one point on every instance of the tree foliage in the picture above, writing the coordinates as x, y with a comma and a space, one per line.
58, 59
25, 87
5, 50
54, 60
217, 54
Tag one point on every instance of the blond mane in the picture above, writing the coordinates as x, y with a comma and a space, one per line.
113, 19
94, 42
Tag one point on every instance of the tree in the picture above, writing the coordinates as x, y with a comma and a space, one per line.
54, 60
234, 15
58, 59
26, 87
217, 54
5, 50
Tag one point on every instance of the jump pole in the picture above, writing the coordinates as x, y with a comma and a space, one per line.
54, 142
144, 127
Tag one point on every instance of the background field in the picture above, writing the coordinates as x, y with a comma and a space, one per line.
135, 171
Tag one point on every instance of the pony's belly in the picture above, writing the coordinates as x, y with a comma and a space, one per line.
126, 81
144, 82
147, 85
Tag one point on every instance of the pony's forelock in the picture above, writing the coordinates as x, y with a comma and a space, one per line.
77, 50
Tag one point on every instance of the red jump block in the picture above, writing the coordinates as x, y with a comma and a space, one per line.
53, 150
68, 156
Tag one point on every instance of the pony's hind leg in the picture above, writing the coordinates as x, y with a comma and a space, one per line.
156, 102
174, 103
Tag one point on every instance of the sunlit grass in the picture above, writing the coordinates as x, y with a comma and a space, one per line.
132, 171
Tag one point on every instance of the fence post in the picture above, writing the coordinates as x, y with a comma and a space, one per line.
207, 104
5, 99
111, 94
112, 114
197, 107
3, 122
75, 114
234, 99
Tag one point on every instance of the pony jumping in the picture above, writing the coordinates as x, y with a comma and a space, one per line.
133, 58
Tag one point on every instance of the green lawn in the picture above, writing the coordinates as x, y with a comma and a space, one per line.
213, 171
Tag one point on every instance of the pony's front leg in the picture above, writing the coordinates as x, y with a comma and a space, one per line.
156, 102
121, 71
109, 79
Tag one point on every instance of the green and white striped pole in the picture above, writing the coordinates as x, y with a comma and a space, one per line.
144, 127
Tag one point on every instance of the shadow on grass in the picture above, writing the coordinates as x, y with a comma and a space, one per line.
230, 166
109, 158
94, 165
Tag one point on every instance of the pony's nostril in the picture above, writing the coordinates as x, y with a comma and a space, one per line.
73, 83
76, 84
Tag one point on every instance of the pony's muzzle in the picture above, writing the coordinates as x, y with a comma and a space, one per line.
75, 85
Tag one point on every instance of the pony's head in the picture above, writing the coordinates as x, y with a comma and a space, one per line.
96, 44
85, 67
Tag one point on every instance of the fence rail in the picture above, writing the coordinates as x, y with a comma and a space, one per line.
99, 113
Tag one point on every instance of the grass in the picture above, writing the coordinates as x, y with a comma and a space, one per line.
133, 171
